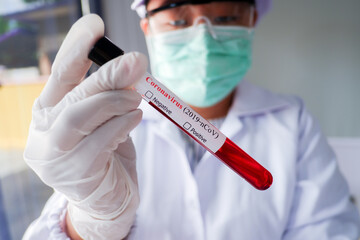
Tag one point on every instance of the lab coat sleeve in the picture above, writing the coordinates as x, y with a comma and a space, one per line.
321, 206
51, 221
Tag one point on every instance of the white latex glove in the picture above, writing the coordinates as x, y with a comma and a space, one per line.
78, 140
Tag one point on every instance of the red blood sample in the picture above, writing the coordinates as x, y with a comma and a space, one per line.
241, 162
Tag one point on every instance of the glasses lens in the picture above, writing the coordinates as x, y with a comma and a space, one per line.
219, 13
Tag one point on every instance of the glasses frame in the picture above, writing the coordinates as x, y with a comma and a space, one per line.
194, 2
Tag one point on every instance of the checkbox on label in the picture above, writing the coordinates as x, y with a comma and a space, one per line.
187, 126
149, 94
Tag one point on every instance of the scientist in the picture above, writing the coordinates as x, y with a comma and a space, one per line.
79, 140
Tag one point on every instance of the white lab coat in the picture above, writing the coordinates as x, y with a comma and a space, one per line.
309, 198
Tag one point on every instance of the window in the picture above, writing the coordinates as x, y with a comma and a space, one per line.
31, 32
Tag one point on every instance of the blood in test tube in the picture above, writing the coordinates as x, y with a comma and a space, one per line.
242, 163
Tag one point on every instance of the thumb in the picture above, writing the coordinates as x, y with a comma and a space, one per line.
71, 62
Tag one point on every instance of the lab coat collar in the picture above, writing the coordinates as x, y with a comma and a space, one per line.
252, 100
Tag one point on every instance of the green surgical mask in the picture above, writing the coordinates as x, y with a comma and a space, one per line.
201, 64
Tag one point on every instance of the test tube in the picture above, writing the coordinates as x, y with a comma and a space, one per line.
192, 123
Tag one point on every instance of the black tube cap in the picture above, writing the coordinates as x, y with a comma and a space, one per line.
103, 51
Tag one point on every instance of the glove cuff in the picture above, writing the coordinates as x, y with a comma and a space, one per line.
108, 212
89, 227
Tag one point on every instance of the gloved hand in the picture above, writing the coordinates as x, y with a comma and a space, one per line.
78, 140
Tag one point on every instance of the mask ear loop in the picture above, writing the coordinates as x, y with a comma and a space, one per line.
208, 24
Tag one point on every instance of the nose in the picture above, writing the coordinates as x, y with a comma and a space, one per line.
202, 19
205, 20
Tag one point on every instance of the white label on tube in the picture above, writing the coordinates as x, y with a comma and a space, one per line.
166, 101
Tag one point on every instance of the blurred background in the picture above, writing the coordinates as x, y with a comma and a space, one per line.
307, 48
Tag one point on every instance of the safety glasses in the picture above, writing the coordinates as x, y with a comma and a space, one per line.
182, 14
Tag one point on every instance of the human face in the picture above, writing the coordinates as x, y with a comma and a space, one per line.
168, 15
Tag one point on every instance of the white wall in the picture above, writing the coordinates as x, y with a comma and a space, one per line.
307, 48
122, 25
312, 49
